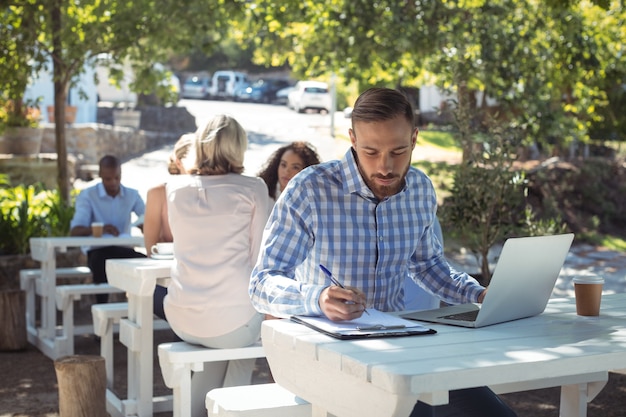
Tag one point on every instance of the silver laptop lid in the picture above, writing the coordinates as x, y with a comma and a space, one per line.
524, 278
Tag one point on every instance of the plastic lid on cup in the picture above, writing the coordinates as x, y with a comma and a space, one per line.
588, 279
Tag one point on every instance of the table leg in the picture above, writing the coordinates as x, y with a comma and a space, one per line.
137, 334
574, 398
48, 297
146, 366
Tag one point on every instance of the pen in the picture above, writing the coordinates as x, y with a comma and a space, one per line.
336, 282
382, 327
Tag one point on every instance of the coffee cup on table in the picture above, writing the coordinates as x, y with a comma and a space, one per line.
163, 249
588, 291
96, 229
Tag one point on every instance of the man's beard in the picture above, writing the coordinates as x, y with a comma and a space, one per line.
384, 191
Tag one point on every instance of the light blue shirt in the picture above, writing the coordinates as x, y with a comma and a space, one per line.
93, 204
327, 215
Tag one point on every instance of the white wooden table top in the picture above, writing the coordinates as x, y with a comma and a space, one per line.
349, 377
40, 246
138, 276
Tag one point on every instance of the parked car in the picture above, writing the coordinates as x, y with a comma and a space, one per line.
225, 84
263, 91
197, 87
309, 95
282, 95
240, 90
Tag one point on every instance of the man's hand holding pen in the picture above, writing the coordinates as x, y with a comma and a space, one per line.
342, 303
346, 304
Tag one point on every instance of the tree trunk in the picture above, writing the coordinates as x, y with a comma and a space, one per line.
82, 386
60, 95
12, 320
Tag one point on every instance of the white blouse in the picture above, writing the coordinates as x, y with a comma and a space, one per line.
217, 223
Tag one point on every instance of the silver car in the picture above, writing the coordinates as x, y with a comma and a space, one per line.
197, 87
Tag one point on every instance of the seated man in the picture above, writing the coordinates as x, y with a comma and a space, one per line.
370, 218
111, 203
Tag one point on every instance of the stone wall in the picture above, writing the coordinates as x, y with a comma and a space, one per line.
87, 143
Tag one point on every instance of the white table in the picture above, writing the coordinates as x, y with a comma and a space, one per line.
385, 377
44, 249
138, 277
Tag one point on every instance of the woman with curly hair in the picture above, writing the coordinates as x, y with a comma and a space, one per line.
285, 163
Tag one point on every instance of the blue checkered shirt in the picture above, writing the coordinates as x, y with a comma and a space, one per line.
327, 215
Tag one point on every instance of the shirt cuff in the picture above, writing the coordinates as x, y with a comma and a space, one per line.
312, 294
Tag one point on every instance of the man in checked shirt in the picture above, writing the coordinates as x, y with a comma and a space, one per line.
368, 218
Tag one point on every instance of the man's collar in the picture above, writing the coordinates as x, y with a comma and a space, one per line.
102, 192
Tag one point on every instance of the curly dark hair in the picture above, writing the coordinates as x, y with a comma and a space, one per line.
269, 172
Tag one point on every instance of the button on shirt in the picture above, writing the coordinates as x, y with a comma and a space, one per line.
327, 215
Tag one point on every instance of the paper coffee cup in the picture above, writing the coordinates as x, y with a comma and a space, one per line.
588, 291
97, 228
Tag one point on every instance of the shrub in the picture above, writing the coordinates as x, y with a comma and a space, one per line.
30, 211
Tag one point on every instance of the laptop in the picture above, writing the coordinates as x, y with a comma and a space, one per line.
520, 287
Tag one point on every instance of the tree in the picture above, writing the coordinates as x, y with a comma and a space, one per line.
72, 34
17, 60
543, 63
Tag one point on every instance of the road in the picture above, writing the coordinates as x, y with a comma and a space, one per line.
268, 127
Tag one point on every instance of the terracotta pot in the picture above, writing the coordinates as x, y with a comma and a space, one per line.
70, 114
21, 141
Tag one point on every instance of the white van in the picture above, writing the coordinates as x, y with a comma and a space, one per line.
226, 84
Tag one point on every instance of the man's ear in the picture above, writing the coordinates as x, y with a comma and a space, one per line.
352, 137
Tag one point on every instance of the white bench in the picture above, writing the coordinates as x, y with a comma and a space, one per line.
263, 400
30, 282
65, 297
179, 359
106, 317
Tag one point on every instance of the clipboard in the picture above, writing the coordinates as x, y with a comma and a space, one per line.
375, 325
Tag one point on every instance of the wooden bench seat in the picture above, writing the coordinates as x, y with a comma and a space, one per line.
179, 359
65, 297
262, 400
30, 282
106, 318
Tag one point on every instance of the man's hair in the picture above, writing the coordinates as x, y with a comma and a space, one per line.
379, 104
109, 161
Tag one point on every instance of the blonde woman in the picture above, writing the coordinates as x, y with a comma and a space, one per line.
217, 216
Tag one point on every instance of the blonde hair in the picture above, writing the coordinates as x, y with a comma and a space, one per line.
220, 147
181, 149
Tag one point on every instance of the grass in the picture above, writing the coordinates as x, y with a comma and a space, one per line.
437, 138
607, 241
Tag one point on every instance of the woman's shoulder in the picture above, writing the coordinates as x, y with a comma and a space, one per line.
160, 188
156, 192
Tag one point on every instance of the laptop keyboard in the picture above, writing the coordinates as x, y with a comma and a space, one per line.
465, 316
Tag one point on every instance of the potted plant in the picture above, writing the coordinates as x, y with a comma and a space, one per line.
70, 114
19, 127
